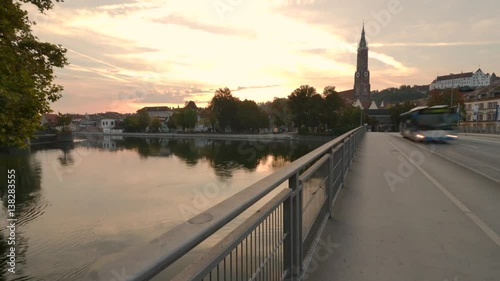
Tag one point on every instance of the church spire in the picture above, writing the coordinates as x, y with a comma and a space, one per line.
362, 42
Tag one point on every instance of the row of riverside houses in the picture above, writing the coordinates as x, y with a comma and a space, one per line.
112, 122
107, 122
482, 108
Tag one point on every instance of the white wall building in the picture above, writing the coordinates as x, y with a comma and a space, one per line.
468, 79
107, 124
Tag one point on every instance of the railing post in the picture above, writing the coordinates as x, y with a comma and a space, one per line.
292, 216
331, 175
351, 140
343, 163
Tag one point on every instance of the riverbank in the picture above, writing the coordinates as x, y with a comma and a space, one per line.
283, 136
42, 138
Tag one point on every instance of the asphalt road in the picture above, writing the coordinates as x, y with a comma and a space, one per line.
415, 212
478, 153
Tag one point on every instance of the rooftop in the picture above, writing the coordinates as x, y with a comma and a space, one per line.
454, 76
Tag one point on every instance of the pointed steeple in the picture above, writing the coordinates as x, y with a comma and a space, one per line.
362, 42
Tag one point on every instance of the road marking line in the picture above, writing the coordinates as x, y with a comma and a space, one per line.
481, 224
469, 145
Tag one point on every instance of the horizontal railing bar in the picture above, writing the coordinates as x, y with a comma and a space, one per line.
172, 245
336, 165
203, 265
337, 148
311, 170
337, 179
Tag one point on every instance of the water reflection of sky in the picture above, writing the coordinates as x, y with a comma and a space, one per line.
83, 204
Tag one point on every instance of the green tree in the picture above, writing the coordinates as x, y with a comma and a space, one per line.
64, 120
263, 119
177, 119
444, 97
171, 123
351, 117
224, 106
208, 118
143, 120
316, 112
247, 115
131, 123
185, 118
280, 113
190, 118
300, 105
26, 73
399, 109
155, 124
192, 105
333, 107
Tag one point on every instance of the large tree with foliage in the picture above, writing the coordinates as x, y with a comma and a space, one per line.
26, 73
399, 109
64, 120
333, 106
208, 118
445, 97
250, 116
185, 118
224, 106
131, 123
143, 119
280, 113
300, 105
155, 125
190, 118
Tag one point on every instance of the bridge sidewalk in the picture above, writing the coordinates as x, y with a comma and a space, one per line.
410, 231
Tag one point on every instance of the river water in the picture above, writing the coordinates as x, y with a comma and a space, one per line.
82, 203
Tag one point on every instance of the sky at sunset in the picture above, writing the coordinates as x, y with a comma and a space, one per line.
127, 54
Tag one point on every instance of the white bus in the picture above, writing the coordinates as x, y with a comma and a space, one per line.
424, 123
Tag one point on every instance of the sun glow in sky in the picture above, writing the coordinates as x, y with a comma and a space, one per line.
128, 54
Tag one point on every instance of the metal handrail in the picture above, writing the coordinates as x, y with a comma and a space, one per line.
174, 244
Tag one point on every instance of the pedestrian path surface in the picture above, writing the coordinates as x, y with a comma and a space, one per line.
395, 221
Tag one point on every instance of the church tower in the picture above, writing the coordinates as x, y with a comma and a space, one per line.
362, 75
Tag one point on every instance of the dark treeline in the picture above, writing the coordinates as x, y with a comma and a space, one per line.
304, 109
399, 95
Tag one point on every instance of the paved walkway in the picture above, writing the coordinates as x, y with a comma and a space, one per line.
397, 222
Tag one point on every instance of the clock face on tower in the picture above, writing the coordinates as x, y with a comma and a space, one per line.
366, 74
357, 74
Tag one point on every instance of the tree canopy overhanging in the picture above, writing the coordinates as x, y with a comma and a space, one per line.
26, 73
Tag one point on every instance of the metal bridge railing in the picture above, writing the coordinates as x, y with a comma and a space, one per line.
274, 243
